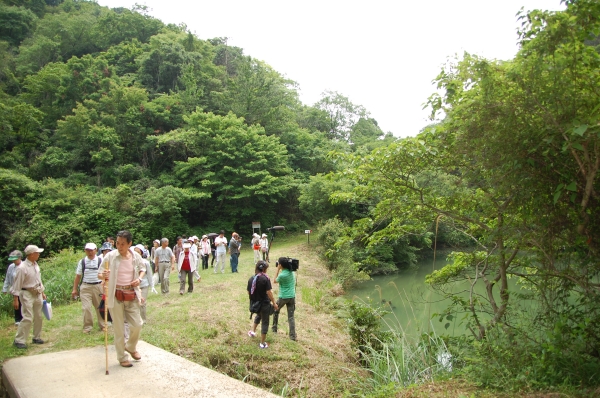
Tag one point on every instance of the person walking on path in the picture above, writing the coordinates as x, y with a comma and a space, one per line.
221, 245
186, 265
178, 248
155, 245
15, 258
234, 252
146, 283
28, 287
213, 251
193, 246
164, 263
205, 251
256, 247
260, 289
105, 249
123, 270
264, 247
90, 288
287, 296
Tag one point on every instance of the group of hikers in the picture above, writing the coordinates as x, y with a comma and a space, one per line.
135, 271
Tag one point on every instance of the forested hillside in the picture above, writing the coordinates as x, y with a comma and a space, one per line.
110, 119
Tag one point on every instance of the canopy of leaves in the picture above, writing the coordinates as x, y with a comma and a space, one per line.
175, 133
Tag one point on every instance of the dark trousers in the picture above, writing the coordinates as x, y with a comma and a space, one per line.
205, 261
212, 262
290, 303
263, 317
18, 315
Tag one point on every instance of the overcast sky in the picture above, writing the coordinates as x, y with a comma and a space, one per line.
380, 54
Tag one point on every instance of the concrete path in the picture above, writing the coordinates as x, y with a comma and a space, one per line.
82, 374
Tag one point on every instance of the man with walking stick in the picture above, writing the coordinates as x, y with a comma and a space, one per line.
123, 271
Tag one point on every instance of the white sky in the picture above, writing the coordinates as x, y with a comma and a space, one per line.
380, 54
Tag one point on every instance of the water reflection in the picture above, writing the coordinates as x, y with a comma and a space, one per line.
410, 300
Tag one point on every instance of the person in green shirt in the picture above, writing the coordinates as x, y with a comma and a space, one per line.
287, 295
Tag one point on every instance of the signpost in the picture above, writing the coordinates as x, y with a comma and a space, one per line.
307, 232
256, 225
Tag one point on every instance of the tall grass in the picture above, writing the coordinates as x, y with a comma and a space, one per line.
394, 358
405, 361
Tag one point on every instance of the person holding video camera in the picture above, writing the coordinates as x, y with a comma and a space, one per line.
287, 294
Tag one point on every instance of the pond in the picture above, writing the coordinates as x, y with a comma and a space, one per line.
412, 302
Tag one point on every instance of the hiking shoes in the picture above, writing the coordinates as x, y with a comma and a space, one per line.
37, 341
19, 345
264, 345
251, 333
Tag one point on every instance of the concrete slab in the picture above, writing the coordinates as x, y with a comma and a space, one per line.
82, 373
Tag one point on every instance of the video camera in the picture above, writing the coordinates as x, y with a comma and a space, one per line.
289, 263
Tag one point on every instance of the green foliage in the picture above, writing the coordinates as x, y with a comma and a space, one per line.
16, 23
365, 328
260, 95
13, 200
342, 117
337, 253
315, 203
109, 119
238, 167
513, 362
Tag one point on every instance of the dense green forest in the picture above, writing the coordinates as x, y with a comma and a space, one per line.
111, 119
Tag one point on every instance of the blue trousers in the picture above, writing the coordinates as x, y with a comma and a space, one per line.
233, 260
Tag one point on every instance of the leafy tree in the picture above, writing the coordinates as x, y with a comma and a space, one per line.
13, 200
261, 96
161, 67
237, 167
342, 114
20, 127
122, 25
123, 57
315, 202
16, 24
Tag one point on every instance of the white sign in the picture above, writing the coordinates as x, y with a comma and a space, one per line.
255, 225
307, 231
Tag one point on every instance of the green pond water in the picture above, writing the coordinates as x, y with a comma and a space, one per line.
413, 303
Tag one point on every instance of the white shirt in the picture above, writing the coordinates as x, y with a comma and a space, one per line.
221, 248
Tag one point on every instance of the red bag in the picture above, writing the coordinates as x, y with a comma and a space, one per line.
125, 295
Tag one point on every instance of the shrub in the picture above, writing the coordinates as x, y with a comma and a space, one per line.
365, 327
337, 251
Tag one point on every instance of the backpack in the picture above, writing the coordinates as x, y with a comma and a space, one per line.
255, 304
83, 267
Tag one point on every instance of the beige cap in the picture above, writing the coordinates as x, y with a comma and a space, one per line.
32, 249
90, 246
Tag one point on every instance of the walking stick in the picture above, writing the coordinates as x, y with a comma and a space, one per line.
105, 298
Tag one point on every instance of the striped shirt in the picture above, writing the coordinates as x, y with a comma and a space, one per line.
91, 270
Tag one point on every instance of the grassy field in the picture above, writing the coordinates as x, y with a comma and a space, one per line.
210, 325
